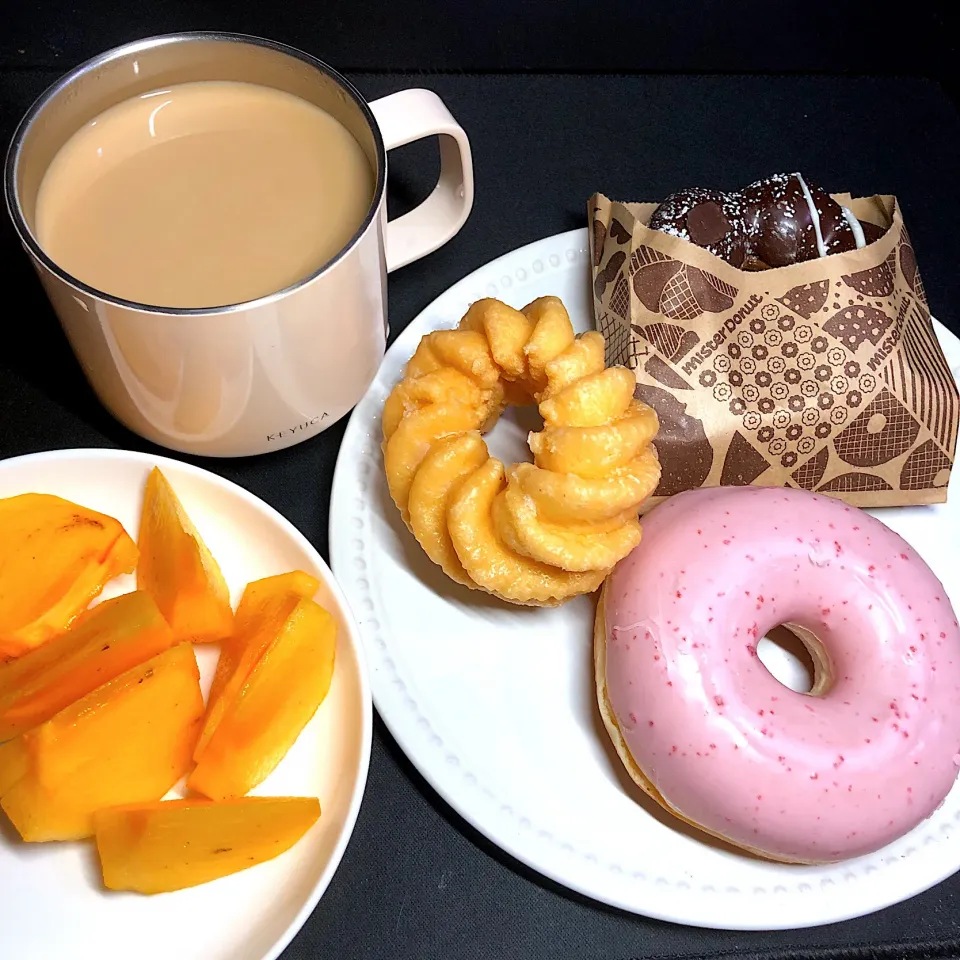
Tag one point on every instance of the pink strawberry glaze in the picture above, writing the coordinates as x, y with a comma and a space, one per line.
729, 747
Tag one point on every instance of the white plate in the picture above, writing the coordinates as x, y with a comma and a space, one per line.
495, 704
52, 903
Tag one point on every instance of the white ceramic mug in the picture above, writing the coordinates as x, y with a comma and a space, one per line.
262, 375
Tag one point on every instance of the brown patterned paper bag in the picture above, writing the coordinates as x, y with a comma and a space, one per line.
825, 375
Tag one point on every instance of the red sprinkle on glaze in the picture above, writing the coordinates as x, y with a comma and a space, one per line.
718, 700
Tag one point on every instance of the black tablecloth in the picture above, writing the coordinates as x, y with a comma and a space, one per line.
416, 881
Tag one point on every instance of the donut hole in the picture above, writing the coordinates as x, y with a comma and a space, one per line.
507, 439
796, 658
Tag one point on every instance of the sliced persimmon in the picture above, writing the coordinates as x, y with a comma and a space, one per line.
276, 701
14, 763
264, 607
178, 570
102, 643
173, 844
128, 741
55, 557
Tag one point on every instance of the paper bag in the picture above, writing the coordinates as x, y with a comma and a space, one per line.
824, 375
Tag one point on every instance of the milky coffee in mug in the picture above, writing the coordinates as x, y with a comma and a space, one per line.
207, 215
203, 194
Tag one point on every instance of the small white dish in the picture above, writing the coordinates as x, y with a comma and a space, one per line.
53, 903
496, 706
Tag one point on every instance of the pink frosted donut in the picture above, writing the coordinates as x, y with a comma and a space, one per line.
709, 733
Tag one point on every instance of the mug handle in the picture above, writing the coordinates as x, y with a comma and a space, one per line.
410, 115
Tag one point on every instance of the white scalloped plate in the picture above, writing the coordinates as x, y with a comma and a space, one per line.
52, 902
495, 704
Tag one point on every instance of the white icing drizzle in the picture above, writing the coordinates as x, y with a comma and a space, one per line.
814, 215
858, 236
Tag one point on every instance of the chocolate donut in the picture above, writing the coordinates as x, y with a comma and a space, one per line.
774, 222
716, 221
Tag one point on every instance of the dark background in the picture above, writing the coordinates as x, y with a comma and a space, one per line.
560, 98
608, 36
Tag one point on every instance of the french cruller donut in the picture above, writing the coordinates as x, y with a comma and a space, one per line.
702, 726
530, 533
